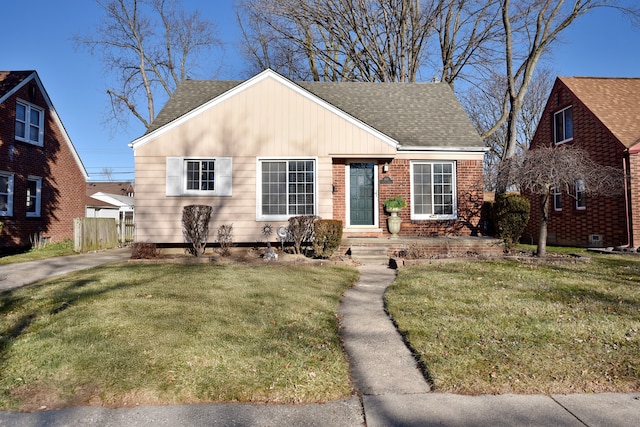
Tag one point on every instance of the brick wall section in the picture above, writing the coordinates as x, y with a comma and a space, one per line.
470, 197
339, 183
604, 215
63, 183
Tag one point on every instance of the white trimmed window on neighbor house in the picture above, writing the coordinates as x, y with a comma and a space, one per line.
563, 125
6, 194
34, 196
433, 190
285, 188
581, 202
29, 123
556, 197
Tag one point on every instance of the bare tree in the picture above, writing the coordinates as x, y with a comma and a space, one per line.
539, 170
484, 105
468, 33
108, 173
149, 46
331, 40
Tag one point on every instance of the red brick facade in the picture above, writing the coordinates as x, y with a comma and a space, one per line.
604, 216
469, 198
63, 179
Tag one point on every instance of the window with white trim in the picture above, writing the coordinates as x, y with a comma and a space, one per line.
34, 196
563, 125
556, 197
6, 194
433, 190
581, 202
198, 176
29, 123
286, 187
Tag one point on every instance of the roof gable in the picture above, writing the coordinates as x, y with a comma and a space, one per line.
12, 81
405, 115
614, 101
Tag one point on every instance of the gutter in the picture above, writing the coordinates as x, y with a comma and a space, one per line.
439, 149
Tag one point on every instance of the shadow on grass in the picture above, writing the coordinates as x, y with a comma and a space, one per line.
27, 310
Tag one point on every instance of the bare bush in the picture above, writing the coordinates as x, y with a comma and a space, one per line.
144, 251
225, 238
301, 230
195, 224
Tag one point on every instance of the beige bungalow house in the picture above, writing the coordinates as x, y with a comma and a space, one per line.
262, 150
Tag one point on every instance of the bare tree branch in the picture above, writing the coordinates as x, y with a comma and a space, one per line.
148, 46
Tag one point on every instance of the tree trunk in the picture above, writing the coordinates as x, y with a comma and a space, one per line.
542, 231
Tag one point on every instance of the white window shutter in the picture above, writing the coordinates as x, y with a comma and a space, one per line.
223, 176
174, 176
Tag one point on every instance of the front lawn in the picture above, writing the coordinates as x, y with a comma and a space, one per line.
510, 327
131, 334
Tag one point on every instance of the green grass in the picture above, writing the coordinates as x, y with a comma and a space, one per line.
562, 250
130, 334
509, 327
49, 251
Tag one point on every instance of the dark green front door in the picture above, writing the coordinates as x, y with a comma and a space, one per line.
361, 190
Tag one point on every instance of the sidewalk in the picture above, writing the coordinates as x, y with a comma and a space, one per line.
24, 273
392, 391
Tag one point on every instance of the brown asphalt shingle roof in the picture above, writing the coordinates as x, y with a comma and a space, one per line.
413, 114
614, 101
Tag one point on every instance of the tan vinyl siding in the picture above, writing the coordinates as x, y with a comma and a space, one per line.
267, 119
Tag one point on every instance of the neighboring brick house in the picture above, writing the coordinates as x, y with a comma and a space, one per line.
602, 117
41, 175
263, 150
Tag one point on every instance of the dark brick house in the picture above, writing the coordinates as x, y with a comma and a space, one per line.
42, 179
602, 117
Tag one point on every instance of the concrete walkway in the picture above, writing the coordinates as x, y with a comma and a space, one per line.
391, 388
24, 273
395, 393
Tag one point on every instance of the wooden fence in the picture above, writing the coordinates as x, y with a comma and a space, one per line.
126, 230
90, 234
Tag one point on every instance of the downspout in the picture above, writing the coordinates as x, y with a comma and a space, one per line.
625, 166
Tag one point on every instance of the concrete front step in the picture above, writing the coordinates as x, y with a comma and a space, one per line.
370, 255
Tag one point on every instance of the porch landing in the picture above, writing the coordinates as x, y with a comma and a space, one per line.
379, 250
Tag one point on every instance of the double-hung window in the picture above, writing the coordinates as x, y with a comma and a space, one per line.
286, 187
563, 125
6, 194
556, 196
34, 196
581, 202
199, 176
29, 123
433, 190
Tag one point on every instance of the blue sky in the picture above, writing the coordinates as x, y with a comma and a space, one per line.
38, 37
